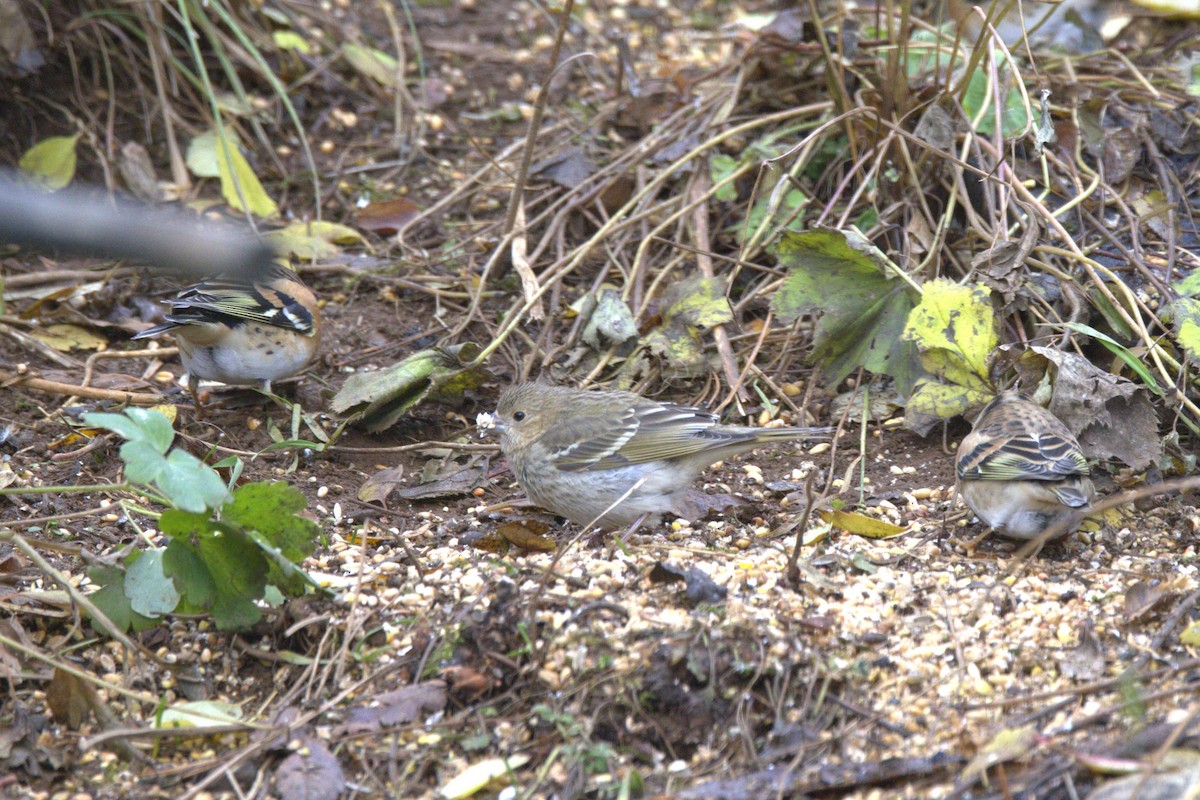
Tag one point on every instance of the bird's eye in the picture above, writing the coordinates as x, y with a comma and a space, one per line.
518, 416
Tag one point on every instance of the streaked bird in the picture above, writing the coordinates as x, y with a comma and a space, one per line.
615, 457
1021, 470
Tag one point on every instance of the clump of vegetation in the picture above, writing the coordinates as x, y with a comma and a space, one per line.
226, 551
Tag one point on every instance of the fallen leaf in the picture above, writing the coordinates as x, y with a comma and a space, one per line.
386, 217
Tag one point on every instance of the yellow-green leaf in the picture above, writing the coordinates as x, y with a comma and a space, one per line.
200, 714
1185, 318
65, 336
51, 162
313, 240
477, 776
375, 64
943, 400
1191, 635
290, 40
202, 156
239, 183
959, 320
861, 524
689, 309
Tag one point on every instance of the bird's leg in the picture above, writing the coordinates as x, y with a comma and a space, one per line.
976, 541
637, 523
194, 389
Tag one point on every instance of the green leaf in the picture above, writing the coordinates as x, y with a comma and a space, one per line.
239, 183
137, 425
182, 562
232, 613
111, 600
1014, 116
190, 484
720, 167
151, 593
270, 509
290, 40
763, 213
200, 714
863, 310
50, 163
375, 64
149, 434
380, 398
236, 564
202, 156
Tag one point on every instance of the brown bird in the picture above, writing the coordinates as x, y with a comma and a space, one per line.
245, 331
613, 457
1021, 470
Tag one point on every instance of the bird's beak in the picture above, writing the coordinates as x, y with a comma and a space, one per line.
489, 423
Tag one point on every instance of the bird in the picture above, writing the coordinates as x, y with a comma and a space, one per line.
247, 329
615, 458
1021, 470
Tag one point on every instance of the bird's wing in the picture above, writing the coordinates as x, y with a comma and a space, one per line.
268, 302
999, 454
639, 434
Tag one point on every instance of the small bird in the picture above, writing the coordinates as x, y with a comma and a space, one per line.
614, 457
1021, 470
244, 331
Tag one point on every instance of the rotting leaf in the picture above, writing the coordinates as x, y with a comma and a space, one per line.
377, 399
568, 169
698, 586
1007, 745
376, 488
606, 315
1111, 416
310, 772
67, 698
66, 337
386, 217
1002, 266
451, 481
936, 128
1085, 661
863, 309
391, 709
527, 534
466, 680
688, 309
1142, 598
